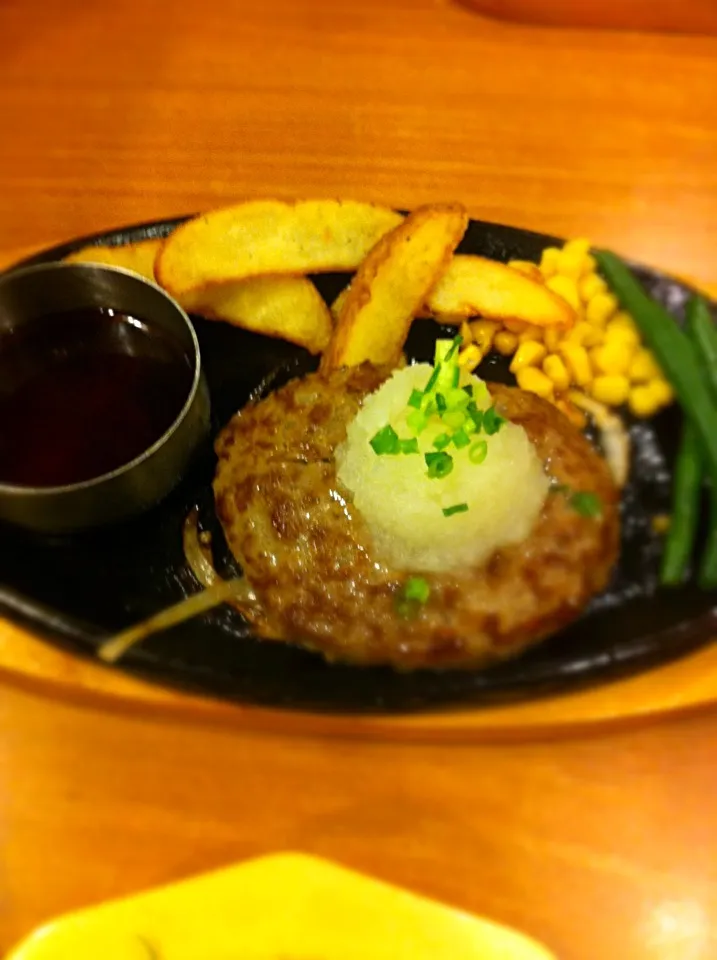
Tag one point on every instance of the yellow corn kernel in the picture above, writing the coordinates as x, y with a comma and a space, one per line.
528, 354
585, 334
577, 361
531, 332
535, 381
643, 367
483, 331
590, 286
572, 257
531, 270
552, 337
566, 288
601, 308
573, 414
661, 391
623, 319
642, 402
554, 368
589, 265
617, 332
612, 358
594, 337
611, 389
505, 342
549, 261
469, 358
465, 332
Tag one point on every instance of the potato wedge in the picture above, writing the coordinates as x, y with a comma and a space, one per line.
290, 308
266, 237
138, 257
391, 285
477, 287
338, 303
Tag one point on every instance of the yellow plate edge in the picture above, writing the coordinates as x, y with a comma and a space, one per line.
167, 917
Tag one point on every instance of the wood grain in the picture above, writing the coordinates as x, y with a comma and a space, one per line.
601, 848
114, 113
669, 16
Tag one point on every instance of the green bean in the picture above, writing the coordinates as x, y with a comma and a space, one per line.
701, 329
673, 350
708, 564
703, 333
686, 491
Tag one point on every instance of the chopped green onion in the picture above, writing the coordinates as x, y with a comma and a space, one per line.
446, 363
417, 421
416, 588
453, 349
440, 349
442, 441
441, 404
585, 503
409, 446
460, 439
416, 399
478, 452
456, 508
385, 441
431, 408
410, 598
455, 419
432, 380
476, 416
439, 464
457, 399
445, 350
468, 389
492, 421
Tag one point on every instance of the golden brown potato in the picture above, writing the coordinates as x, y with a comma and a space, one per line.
138, 257
338, 303
266, 237
290, 308
477, 287
391, 285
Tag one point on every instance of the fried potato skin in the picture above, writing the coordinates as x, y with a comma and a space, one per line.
290, 308
264, 237
474, 286
139, 257
391, 285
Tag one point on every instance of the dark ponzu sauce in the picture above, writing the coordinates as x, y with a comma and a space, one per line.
83, 393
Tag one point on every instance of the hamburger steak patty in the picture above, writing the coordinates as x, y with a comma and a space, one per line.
307, 553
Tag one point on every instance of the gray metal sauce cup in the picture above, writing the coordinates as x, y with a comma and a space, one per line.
30, 293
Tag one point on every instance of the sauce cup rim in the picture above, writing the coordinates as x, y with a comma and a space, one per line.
10, 489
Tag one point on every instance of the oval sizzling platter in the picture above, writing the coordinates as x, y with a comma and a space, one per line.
76, 590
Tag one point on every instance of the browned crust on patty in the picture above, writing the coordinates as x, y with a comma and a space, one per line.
308, 553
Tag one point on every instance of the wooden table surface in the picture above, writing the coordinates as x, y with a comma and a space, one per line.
602, 846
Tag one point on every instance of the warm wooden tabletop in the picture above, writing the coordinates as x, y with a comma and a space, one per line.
126, 111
